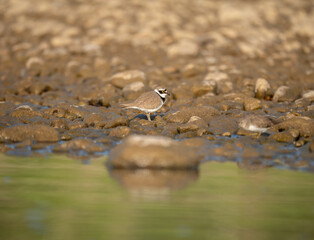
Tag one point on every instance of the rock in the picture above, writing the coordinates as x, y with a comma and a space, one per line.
222, 124
25, 113
133, 90
282, 137
182, 91
94, 118
120, 132
304, 126
34, 66
194, 124
251, 104
192, 69
55, 111
182, 116
230, 106
205, 87
76, 125
312, 146
196, 142
184, 48
288, 94
87, 133
309, 94
155, 152
38, 88
133, 87
59, 123
299, 143
122, 79
73, 69
170, 130
40, 133
73, 112
87, 145
118, 121
263, 89
295, 133
6, 107
216, 76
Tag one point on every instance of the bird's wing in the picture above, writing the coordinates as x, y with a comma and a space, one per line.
148, 100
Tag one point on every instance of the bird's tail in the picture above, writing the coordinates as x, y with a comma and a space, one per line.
125, 106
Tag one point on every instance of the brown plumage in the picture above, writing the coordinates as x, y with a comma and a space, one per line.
148, 100
257, 123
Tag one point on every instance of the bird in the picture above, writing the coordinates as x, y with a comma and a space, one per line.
148, 102
257, 123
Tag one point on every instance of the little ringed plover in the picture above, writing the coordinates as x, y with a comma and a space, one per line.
149, 102
257, 123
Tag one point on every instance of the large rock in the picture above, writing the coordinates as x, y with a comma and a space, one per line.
156, 152
182, 116
39, 133
303, 125
120, 80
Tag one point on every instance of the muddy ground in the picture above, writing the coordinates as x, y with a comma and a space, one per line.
66, 66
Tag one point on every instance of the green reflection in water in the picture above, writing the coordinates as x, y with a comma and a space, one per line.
60, 198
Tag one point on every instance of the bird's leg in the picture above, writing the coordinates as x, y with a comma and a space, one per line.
148, 116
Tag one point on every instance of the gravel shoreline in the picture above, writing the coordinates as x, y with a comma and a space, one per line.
66, 66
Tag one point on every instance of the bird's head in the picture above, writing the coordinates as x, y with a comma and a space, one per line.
162, 92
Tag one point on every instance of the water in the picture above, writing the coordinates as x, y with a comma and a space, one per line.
61, 198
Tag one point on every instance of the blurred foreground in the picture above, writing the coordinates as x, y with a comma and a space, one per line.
59, 198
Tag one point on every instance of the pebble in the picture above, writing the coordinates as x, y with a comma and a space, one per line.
283, 137
184, 48
263, 89
78, 144
251, 104
34, 65
120, 132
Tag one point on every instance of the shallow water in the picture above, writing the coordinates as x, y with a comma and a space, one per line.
61, 198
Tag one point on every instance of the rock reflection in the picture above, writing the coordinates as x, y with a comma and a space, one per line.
153, 183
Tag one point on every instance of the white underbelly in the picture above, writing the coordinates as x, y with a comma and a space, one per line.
253, 128
149, 110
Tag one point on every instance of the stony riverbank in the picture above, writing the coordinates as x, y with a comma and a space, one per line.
66, 66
